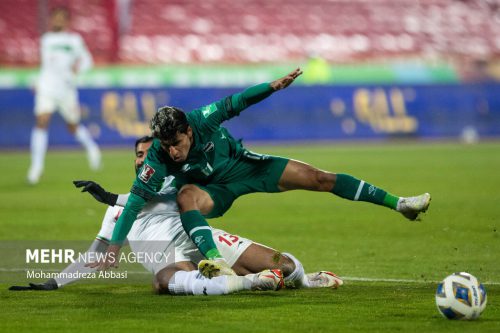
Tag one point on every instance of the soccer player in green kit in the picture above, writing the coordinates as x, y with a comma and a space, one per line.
212, 169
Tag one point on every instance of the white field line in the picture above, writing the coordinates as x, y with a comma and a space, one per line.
367, 279
346, 278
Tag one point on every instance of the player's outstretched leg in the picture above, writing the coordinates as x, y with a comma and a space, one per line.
193, 283
298, 175
351, 188
83, 136
38, 146
299, 279
71, 273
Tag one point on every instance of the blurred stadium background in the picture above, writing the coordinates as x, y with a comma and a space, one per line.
374, 69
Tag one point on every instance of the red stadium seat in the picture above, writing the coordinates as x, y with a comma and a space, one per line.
178, 31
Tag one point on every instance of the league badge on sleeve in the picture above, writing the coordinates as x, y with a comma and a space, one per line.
146, 173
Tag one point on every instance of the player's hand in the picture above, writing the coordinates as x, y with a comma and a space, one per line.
287, 80
97, 191
50, 284
109, 260
75, 67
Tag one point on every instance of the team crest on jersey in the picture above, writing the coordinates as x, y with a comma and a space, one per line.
146, 173
209, 147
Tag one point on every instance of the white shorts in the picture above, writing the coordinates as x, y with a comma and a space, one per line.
65, 102
230, 246
163, 240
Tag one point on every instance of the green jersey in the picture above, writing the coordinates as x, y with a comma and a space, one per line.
211, 159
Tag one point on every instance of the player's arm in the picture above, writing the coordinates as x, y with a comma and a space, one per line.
100, 194
148, 181
133, 202
85, 61
255, 94
211, 116
50, 284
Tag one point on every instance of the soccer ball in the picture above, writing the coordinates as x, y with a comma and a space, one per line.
461, 296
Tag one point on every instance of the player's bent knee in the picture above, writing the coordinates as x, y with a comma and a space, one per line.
319, 180
191, 197
186, 198
72, 128
287, 265
43, 121
325, 180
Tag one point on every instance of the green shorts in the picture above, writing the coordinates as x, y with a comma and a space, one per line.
253, 176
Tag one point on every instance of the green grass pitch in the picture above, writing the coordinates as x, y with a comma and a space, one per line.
366, 244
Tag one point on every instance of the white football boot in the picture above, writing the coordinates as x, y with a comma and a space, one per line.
34, 175
411, 207
213, 268
269, 279
324, 279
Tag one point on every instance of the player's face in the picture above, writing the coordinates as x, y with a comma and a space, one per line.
59, 20
178, 148
140, 154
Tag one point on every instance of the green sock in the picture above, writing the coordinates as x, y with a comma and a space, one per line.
351, 188
391, 201
200, 233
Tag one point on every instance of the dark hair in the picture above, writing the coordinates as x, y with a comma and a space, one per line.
167, 122
143, 139
60, 9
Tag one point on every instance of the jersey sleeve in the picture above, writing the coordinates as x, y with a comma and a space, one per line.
108, 222
147, 183
209, 117
122, 227
85, 61
122, 199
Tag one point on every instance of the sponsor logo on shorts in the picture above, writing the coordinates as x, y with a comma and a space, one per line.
146, 173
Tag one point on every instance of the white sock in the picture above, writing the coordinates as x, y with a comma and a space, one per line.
78, 267
193, 283
39, 142
83, 136
298, 277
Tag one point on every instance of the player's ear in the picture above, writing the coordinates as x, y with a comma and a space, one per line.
189, 132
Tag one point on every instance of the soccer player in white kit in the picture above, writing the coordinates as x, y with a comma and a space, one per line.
63, 56
158, 229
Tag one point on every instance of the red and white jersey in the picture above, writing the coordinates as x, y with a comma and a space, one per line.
158, 228
162, 207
